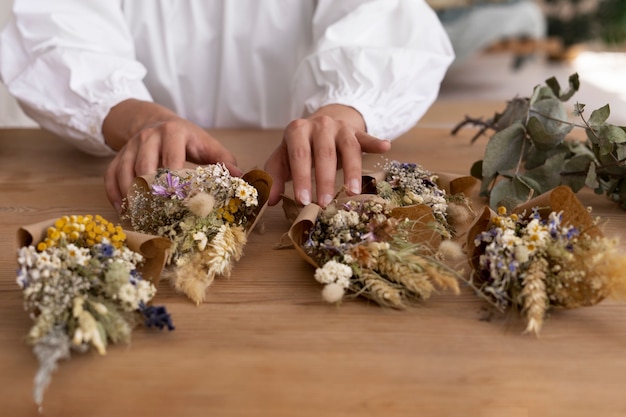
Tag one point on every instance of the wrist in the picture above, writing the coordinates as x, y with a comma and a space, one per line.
129, 117
344, 113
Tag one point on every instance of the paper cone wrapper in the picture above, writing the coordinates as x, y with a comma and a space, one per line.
421, 232
154, 249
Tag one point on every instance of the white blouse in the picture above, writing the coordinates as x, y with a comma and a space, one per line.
223, 64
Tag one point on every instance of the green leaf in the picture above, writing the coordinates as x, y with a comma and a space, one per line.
503, 151
579, 108
542, 93
620, 152
552, 115
530, 182
615, 134
476, 170
516, 110
547, 176
607, 164
537, 157
599, 116
541, 138
591, 180
599, 140
509, 193
574, 171
555, 87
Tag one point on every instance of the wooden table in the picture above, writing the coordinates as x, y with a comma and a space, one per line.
265, 344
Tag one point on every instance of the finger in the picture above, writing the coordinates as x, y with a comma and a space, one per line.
173, 148
119, 175
351, 160
125, 171
372, 144
144, 152
111, 186
233, 169
277, 166
325, 155
205, 149
297, 139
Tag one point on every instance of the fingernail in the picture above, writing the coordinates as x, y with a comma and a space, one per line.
355, 186
325, 200
305, 197
118, 207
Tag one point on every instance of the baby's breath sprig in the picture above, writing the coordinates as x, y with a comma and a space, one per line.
83, 288
205, 212
532, 263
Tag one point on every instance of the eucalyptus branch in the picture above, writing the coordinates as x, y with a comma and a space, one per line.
476, 122
512, 169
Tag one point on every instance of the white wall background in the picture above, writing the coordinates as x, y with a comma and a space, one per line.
10, 113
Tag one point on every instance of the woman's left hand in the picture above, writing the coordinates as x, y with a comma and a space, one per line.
331, 137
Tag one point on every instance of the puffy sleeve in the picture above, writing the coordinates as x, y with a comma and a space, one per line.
385, 58
67, 63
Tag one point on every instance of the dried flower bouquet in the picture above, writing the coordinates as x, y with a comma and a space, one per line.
384, 244
205, 212
548, 253
85, 282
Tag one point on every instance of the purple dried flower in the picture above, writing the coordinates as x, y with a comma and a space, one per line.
174, 189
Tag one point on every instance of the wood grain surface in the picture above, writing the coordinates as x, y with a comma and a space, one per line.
265, 344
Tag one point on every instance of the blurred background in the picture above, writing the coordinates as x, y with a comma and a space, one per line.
506, 47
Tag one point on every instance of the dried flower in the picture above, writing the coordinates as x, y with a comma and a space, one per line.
82, 287
364, 250
205, 213
533, 263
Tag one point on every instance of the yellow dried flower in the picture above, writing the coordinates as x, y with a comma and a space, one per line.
77, 228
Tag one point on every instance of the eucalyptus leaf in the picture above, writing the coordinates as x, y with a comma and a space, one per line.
600, 140
599, 116
541, 138
620, 152
574, 85
503, 151
591, 180
537, 157
616, 134
541, 93
509, 193
552, 115
530, 182
610, 165
574, 172
476, 170
548, 175
577, 147
516, 110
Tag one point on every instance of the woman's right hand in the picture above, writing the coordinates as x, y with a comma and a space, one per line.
148, 136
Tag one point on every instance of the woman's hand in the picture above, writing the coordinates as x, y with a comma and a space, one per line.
148, 136
331, 137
